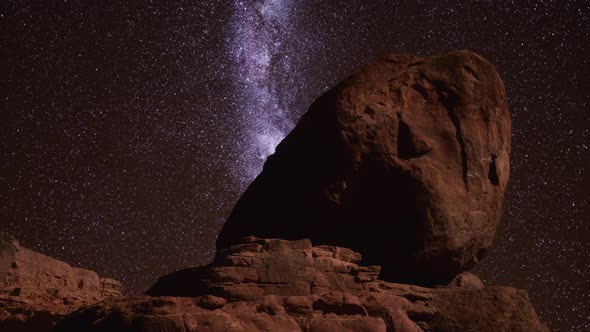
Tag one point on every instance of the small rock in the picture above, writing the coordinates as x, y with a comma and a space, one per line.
211, 302
467, 280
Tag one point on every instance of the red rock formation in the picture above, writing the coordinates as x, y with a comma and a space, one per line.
405, 161
277, 285
36, 291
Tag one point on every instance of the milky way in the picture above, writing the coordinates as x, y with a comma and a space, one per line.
262, 46
128, 129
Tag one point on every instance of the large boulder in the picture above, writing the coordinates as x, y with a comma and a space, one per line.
405, 161
277, 285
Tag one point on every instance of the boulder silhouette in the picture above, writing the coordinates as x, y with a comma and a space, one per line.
405, 161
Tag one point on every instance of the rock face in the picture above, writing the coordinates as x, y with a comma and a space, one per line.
36, 291
405, 161
278, 285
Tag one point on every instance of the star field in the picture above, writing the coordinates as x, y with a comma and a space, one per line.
262, 46
128, 131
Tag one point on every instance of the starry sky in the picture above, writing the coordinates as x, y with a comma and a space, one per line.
128, 130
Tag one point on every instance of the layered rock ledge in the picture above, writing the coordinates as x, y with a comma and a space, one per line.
36, 291
279, 285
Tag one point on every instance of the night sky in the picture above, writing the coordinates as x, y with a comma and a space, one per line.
128, 131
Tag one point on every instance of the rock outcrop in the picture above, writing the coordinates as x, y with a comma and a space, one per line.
278, 285
405, 161
36, 291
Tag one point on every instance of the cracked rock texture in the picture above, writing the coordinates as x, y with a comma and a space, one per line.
36, 291
405, 161
278, 285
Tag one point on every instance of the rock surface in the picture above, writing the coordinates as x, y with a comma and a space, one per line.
467, 280
405, 161
36, 291
278, 285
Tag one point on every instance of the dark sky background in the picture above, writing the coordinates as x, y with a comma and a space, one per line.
128, 131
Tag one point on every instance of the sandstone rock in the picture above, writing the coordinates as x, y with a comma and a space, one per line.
36, 291
258, 267
110, 287
405, 161
466, 280
293, 286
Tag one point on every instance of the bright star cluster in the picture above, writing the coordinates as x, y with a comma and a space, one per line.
129, 129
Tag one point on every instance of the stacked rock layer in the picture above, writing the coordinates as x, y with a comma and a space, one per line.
36, 291
278, 285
